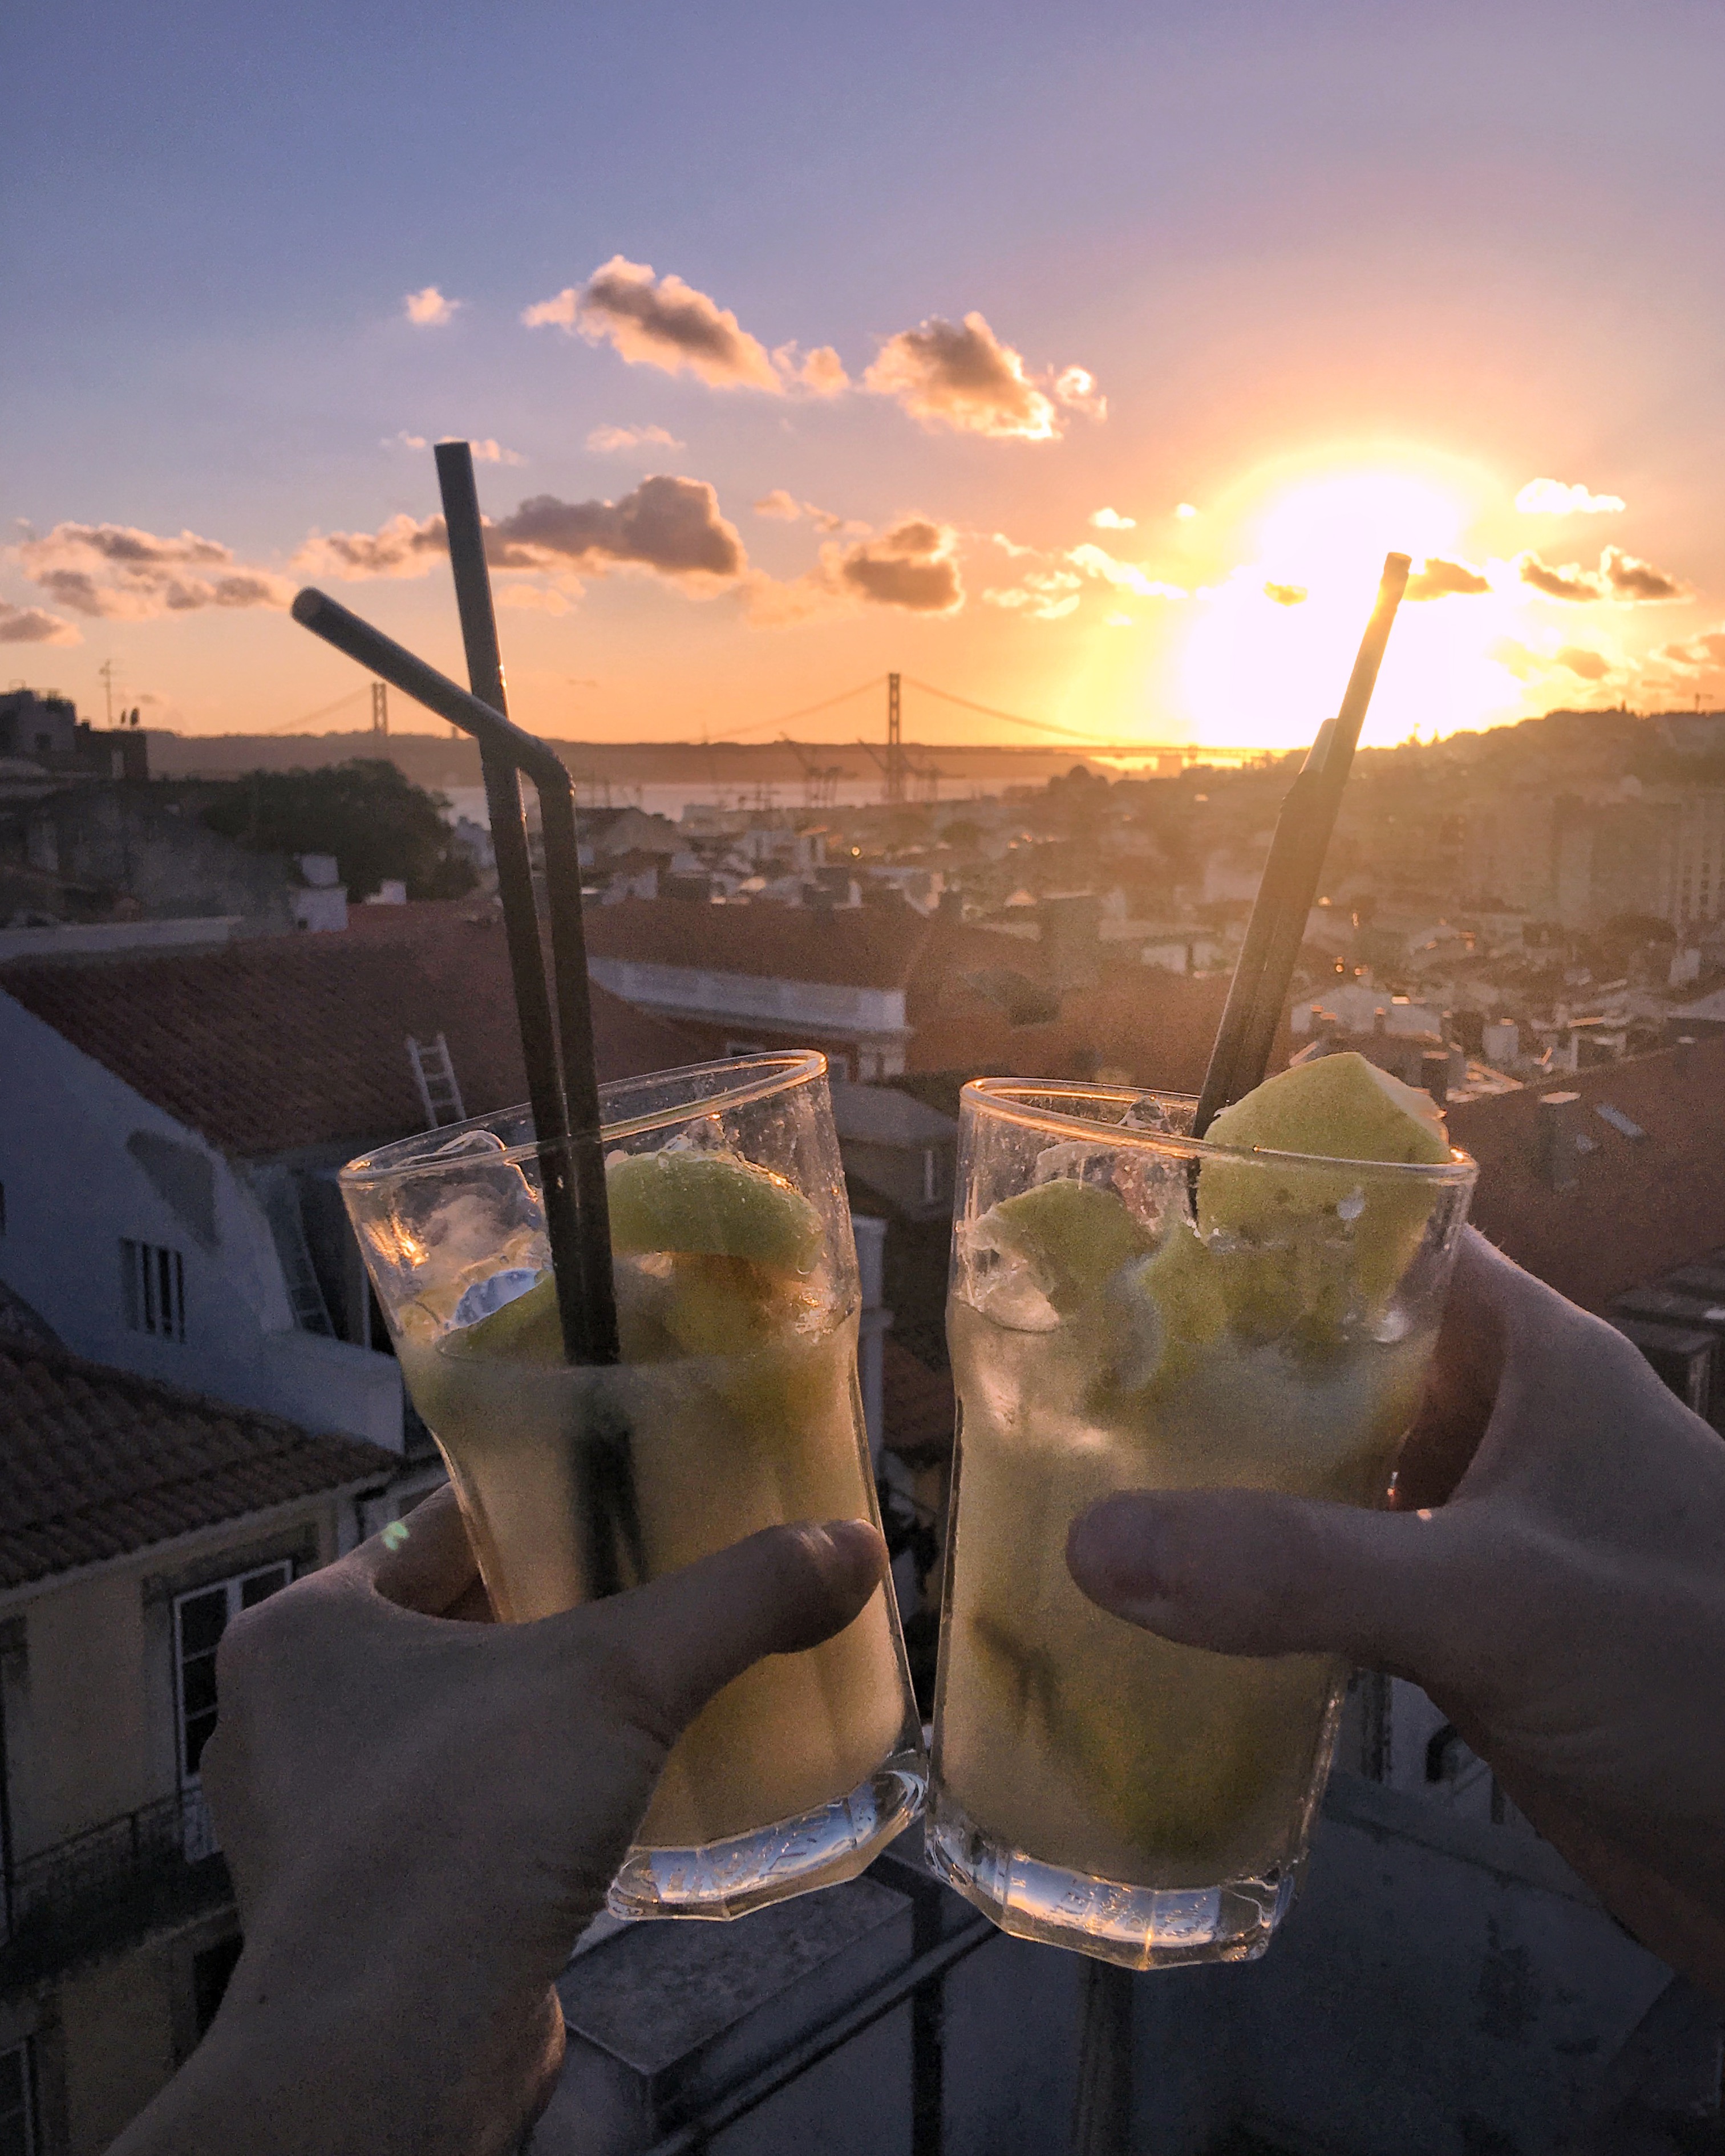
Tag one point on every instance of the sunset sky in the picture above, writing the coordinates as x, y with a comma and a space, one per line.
1081, 362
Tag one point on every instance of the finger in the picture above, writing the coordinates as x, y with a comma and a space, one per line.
424, 1562
1250, 1572
1462, 1382
780, 1591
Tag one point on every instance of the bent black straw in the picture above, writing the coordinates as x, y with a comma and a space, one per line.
576, 1219
1277, 927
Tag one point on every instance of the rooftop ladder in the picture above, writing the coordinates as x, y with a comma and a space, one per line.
439, 1096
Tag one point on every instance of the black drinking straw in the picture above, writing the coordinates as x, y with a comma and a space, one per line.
1277, 927
572, 1158
1102, 2110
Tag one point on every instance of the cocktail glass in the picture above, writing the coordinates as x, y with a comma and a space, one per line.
735, 1407
1095, 1786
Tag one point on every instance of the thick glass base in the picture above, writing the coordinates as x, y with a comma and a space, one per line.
1138, 1926
816, 1849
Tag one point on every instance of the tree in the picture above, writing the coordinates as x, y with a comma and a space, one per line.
375, 821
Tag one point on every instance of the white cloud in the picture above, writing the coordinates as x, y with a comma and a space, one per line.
1096, 562
1183, 509
486, 452
605, 439
427, 308
1111, 520
1043, 595
1076, 388
1552, 497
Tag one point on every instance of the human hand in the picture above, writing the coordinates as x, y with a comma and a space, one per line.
1551, 1572
421, 1813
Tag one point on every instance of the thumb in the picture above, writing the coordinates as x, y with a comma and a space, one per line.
683, 1637
1251, 1572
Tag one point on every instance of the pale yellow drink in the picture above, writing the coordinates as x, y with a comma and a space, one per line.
719, 1445
733, 1406
1132, 1309
1104, 1749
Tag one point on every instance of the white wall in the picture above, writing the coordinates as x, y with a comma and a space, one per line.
73, 1191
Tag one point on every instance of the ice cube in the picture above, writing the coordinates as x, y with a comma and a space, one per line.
486, 1296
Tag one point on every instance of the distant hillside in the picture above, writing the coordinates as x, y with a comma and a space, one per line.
435, 760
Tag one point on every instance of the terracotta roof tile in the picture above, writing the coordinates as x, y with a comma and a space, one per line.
864, 947
917, 1406
1641, 1205
282, 1042
102, 1463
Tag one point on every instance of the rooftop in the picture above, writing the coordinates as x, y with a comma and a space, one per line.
883, 1114
100, 1464
1642, 1205
867, 948
279, 1043
917, 1409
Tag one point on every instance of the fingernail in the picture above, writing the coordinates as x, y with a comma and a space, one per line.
850, 1552
1114, 1552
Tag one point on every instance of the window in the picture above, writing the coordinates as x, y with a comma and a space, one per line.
200, 1618
18, 2119
152, 1286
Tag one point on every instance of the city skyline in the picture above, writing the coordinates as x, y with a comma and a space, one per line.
1090, 382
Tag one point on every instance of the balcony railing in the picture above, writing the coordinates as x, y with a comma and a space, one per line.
111, 1884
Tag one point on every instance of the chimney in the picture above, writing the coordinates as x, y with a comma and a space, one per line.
1559, 1153
1435, 1074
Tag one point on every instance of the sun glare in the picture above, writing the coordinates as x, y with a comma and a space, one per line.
1269, 650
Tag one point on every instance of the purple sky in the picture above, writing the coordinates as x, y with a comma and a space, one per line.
1331, 278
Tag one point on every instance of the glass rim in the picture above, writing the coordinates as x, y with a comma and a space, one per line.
1008, 1100
426, 1153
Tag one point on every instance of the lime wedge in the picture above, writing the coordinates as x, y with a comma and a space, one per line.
713, 1204
1074, 1236
1339, 1108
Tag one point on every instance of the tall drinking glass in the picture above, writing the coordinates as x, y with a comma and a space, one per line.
1093, 1786
735, 1407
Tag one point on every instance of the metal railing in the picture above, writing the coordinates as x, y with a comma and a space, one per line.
919, 1984
110, 1884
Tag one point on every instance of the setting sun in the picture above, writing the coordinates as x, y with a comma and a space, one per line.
1269, 651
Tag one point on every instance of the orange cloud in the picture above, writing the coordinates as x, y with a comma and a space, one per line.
1286, 595
660, 321
669, 527
118, 573
1619, 577
34, 625
963, 377
1436, 579
913, 566
1043, 595
1590, 665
